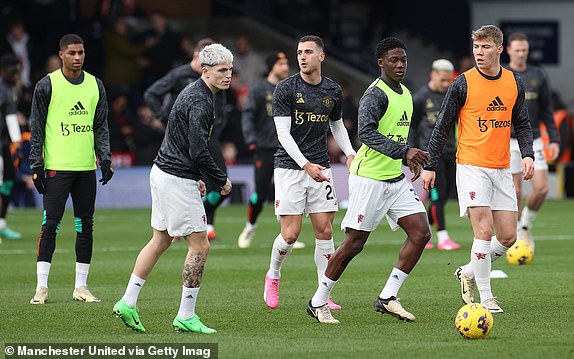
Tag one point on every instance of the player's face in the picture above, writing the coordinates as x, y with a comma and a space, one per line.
73, 57
281, 69
218, 76
394, 64
441, 80
309, 56
518, 51
486, 53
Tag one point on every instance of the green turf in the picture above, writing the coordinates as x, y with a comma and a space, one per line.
537, 299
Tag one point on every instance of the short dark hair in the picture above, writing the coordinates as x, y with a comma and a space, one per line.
388, 44
316, 39
8, 60
517, 36
70, 39
203, 43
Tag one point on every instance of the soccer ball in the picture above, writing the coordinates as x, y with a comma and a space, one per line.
474, 321
520, 253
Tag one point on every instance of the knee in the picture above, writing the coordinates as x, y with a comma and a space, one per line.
421, 235
353, 245
484, 232
84, 225
542, 191
324, 233
50, 227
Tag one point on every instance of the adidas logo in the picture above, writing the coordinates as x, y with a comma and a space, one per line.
78, 109
404, 121
299, 96
496, 105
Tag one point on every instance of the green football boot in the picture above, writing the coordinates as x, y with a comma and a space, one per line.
192, 324
129, 315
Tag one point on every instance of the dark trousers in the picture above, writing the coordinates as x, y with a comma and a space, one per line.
264, 165
59, 185
445, 183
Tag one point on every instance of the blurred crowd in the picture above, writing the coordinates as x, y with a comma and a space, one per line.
129, 50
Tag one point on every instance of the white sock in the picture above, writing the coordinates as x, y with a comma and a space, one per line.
2, 223
323, 290
442, 235
250, 226
481, 264
324, 249
210, 228
133, 290
42, 273
187, 304
528, 216
394, 283
82, 270
280, 251
497, 249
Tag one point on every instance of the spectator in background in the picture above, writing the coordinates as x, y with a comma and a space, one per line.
121, 131
185, 51
18, 42
123, 66
159, 55
248, 63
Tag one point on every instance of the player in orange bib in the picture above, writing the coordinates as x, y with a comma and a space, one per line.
486, 101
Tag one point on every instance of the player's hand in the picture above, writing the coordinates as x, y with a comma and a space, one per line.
554, 151
39, 178
427, 179
416, 169
527, 168
226, 188
316, 172
107, 171
201, 187
416, 156
349, 160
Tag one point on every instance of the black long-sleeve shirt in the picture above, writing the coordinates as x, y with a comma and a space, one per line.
538, 100
161, 95
257, 118
171, 85
426, 106
184, 151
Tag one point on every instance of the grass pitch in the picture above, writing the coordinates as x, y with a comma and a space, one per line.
537, 299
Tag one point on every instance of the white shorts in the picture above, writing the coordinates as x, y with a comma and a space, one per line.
176, 204
485, 187
540, 163
296, 192
370, 200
